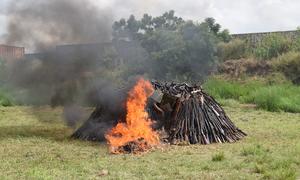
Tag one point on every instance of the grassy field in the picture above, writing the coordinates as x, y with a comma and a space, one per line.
264, 94
34, 144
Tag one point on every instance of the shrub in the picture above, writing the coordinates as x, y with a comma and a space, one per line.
234, 49
218, 157
240, 67
289, 64
5, 100
272, 46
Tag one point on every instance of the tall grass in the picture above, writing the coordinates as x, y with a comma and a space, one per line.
279, 97
275, 98
222, 89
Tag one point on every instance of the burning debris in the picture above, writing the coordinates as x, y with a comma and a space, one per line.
186, 114
136, 133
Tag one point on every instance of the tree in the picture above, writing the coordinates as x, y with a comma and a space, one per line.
177, 50
215, 28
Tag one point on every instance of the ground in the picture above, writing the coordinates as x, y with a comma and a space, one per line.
35, 144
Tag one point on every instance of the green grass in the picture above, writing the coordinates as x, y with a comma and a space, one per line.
270, 97
276, 98
222, 89
35, 144
218, 157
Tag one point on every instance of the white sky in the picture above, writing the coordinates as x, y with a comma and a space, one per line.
239, 16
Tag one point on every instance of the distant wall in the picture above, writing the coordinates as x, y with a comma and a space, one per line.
11, 51
255, 38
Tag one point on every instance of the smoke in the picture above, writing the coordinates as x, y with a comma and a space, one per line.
39, 25
71, 76
96, 71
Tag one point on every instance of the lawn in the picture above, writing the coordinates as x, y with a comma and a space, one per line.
35, 144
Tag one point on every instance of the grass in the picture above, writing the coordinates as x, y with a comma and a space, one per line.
218, 157
35, 144
276, 98
270, 97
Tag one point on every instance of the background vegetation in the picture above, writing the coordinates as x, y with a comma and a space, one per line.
35, 144
266, 74
177, 50
271, 97
169, 48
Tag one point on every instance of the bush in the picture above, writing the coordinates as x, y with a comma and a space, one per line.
272, 46
240, 67
218, 157
289, 64
234, 49
5, 100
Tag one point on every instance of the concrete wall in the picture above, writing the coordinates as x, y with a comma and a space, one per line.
255, 38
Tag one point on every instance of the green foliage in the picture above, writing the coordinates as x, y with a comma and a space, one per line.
215, 28
276, 98
272, 46
234, 49
271, 97
289, 64
224, 35
220, 88
5, 100
197, 57
178, 50
218, 156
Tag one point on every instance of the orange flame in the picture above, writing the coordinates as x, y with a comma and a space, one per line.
138, 124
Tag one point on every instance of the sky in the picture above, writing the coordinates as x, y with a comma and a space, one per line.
239, 16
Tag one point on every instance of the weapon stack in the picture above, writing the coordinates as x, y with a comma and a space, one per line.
188, 114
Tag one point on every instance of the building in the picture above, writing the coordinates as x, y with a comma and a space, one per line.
11, 51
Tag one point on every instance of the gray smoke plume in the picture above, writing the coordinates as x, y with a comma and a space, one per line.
41, 24
64, 75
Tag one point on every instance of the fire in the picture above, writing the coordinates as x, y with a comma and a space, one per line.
137, 130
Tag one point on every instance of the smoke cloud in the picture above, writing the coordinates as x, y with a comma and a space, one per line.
65, 75
41, 24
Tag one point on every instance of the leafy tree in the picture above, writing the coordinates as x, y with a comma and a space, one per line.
212, 25
215, 28
177, 49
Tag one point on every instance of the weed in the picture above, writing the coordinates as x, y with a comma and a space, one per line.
218, 157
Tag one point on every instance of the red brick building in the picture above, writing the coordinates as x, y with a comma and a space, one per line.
11, 51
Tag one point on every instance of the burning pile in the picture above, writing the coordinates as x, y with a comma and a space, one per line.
136, 134
182, 112
191, 115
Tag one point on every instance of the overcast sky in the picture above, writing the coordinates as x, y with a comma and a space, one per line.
239, 16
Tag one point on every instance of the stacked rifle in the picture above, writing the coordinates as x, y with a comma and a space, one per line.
191, 115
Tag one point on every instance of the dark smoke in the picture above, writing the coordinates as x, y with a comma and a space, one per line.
42, 24
72, 76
